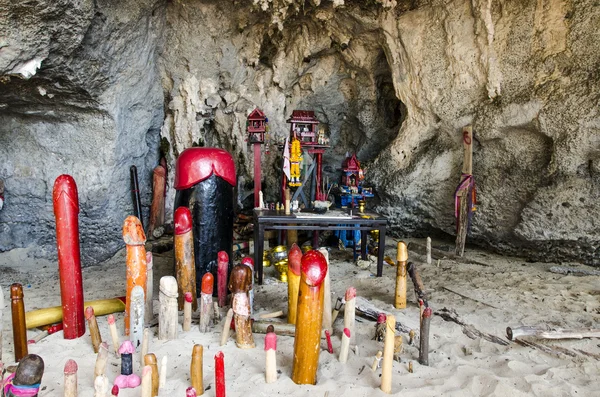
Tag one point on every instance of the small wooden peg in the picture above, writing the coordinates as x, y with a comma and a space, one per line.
196, 369
147, 381
101, 360
70, 383
167, 319
226, 327
271, 357
93, 327
17, 307
150, 361
145, 343
219, 375
206, 308
162, 378
187, 312
402, 257
424, 348
376, 361
388, 355
350, 309
114, 335
345, 346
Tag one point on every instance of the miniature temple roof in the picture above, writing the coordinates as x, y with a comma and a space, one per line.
351, 163
256, 114
303, 116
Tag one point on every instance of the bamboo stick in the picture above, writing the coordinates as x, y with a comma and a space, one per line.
402, 257
53, 315
428, 257
309, 319
388, 355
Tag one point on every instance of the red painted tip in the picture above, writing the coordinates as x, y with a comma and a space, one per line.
188, 297
183, 220
190, 392
427, 312
149, 260
381, 318
16, 291
314, 266
248, 262
271, 341
65, 185
133, 231
347, 332
115, 390
89, 313
55, 328
111, 319
147, 370
421, 302
222, 257
70, 367
126, 348
329, 345
219, 355
208, 282
350, 293
294, 259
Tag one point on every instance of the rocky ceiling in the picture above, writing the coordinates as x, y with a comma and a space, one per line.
91, 87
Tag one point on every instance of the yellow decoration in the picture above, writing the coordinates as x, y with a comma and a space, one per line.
295, 159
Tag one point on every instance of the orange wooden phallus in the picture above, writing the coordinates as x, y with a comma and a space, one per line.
293, 274
185, 267
310, 314
134, 237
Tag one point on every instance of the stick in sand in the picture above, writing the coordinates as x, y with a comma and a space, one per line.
329, 344
309, 320
226, 327
167, 318
388, 355
196, 369
185, 268
376, 361
239, 284
149, 307
222, 270
464, 194
70, 372
114, 335
294, 260
145, 343
428, 250
424, 348
402, 257
350, 309
549, 333
162, 375
345, 346
219, 374
150, 361
17, 307
101, 360
327, 315
134, 237
271, 357
206, 308
137, 315
187, 312
147, 381
100, 386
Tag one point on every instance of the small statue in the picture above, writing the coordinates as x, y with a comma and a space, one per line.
240, 283
380, 328
127, 379
295, 159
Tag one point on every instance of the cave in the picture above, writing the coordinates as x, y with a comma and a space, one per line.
92, 88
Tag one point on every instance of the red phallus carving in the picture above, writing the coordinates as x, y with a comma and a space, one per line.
188, 297
314, 265
197, 164
222, 256
294, 259
183, 220
350, 293
208, 282
248, 262
271, 341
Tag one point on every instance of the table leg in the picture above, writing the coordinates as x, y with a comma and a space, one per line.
363, 244
380, 251
259, 247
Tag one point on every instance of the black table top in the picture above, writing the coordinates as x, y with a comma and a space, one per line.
306, 216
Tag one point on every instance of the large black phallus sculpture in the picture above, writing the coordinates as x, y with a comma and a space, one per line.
204, 180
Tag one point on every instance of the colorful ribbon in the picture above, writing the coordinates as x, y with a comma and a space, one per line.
467, 183
19, 390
